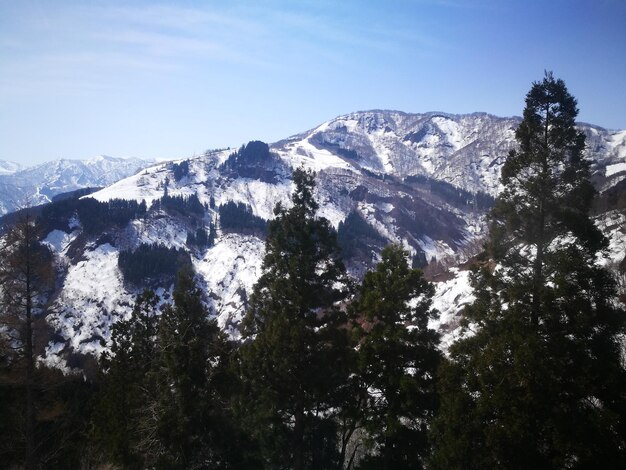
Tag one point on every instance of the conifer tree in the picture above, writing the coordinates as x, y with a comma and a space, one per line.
126, 383
539, 381
293, 362
185, 425
398, 360
26, 283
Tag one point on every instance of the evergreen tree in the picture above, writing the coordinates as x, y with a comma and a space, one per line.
539, 383
294, 360
42, 410
26, 283
398, 360
152, 264
238, 217
186, 425
127, 383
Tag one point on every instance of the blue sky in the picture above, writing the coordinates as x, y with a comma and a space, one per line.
172, 79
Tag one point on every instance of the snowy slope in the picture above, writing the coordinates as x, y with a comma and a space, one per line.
464, 150
39, 184
8, 168
402, 174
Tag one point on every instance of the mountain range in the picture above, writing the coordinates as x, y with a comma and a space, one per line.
424, 181
21, 186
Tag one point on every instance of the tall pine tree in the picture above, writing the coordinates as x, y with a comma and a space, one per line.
539, 381
293, 362
127, 383
398, 361
183, 424
27, 279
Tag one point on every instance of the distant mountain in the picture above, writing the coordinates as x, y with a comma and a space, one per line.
466, 151
422, 180
8, 168
38, 184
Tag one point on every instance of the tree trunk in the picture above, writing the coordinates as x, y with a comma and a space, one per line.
538, 271
30, 364
538, 281
298, 438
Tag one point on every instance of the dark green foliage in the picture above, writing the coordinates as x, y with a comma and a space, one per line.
238, 217
11, 218
613, 198
540, 383
187, 425
201, 238
78, 193
252, 154
152, 264
417, 136
43, 413
373, 174
346, 153
319, 140
164, 395
62, 405
127, 383
356, 237
95, 217
451, 194
350, 154
27, 279
185, 205
180, 170
397, 362
253, 160
291, 395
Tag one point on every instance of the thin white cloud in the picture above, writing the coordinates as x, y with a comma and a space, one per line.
175, 18
464, 4
92, 42
159, 43
84, 45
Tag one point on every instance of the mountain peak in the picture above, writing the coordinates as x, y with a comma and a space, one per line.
39, 184
423, 181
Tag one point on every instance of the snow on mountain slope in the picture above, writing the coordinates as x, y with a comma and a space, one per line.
451, 296
466, 151
613, 225
229, 270
412, 179
39, 184
8, 168
92, 294
145, 185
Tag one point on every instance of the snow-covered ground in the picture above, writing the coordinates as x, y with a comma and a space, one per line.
230, 269
93, 295
464, 150
450, 298
20, 186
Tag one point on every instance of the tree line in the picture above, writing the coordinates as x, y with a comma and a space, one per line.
330, 374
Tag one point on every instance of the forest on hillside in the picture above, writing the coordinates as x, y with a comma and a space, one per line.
331, 373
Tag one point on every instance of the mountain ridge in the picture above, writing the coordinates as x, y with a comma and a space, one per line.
424, 181
38, 184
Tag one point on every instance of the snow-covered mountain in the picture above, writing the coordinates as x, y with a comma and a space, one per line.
422, 180
38, 184
8, 168
466, 151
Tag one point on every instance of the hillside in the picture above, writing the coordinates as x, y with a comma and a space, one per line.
30, 186
422, 180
